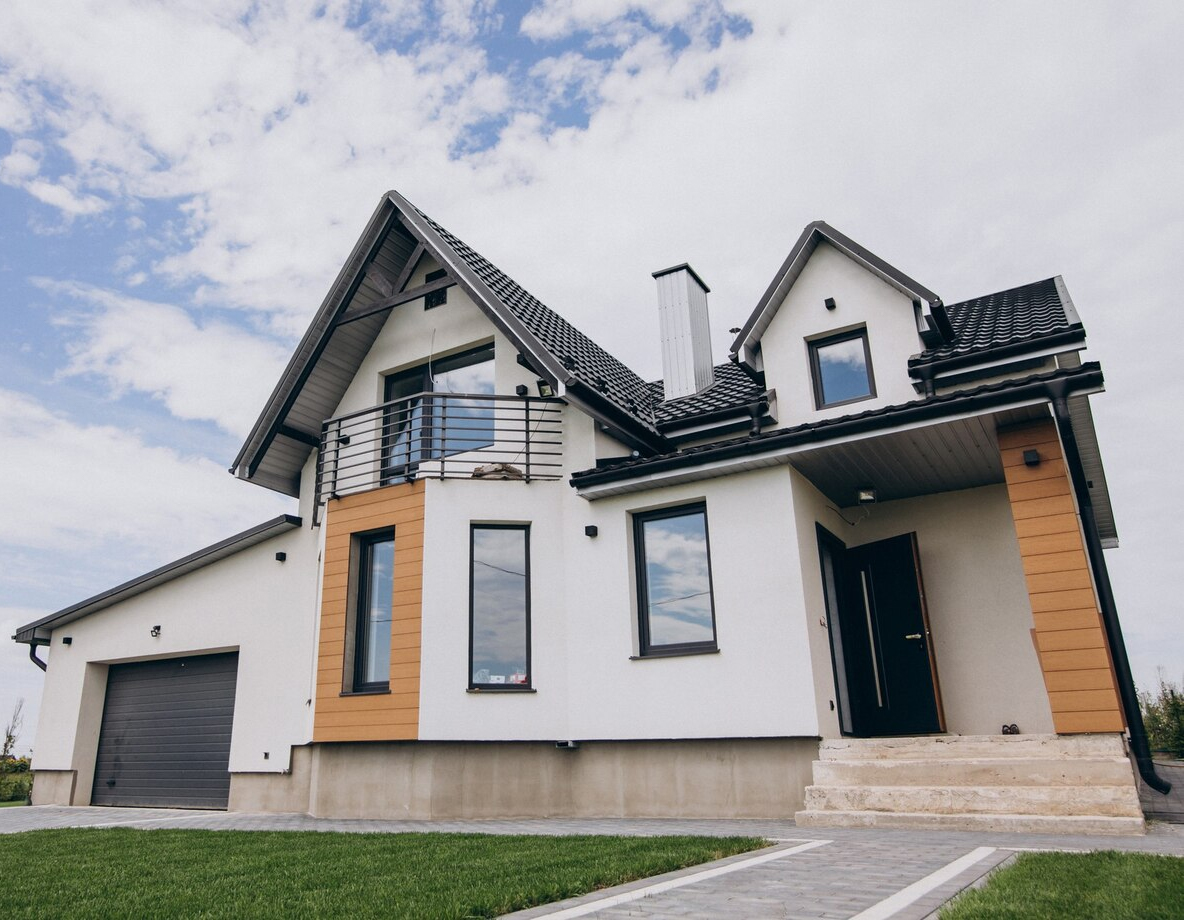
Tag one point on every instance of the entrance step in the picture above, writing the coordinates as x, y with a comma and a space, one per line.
1037, 783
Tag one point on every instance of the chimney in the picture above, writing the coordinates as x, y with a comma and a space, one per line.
686, 336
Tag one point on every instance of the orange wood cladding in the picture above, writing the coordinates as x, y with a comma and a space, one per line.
1070, 640
390, 716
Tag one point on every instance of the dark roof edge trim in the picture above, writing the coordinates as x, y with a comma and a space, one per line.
920, 368
36, 633
1086, 377
267, 425
795, 261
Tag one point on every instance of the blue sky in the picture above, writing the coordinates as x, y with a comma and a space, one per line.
180, 183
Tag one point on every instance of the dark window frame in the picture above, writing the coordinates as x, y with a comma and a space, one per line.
361, 559
502, 688
645, 647
393, 472
816, 366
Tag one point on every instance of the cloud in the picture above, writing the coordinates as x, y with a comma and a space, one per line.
212, 371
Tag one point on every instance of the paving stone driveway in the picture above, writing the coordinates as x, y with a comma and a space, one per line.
815, 874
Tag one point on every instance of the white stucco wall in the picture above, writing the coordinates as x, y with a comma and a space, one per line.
979, 615
861, 299
248, 602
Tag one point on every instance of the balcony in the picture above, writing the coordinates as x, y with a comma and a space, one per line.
440, 436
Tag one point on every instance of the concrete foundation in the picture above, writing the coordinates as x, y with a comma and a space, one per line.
725, 778
54, 787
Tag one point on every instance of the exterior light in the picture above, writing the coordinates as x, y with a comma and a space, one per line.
281, 556
591, 530
545, 389
155, 631
830, 303
866, 496
1032, 457
522, 389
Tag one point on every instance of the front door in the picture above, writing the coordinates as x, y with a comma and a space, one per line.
879, 630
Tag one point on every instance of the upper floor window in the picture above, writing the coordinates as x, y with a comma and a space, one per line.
499, 607
430, 417
841, 366
676, 611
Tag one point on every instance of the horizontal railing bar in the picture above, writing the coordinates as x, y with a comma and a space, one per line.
536, 403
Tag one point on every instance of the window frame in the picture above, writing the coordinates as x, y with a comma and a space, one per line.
816, 366
473, 686
361, 565
645, 647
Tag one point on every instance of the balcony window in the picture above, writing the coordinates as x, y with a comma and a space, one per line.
429, 422
499, 607
676, 611
842, 369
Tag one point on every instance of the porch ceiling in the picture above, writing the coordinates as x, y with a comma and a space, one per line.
958, 454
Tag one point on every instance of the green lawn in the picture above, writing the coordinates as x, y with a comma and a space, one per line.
122, 872
10, 804
1084, 886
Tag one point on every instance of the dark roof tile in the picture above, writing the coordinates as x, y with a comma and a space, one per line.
733, 388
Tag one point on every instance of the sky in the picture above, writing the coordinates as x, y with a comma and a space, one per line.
180, 183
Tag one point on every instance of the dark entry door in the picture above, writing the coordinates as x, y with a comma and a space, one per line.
165, 736
880, 638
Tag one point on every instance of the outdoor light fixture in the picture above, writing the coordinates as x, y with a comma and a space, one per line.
545, 389
1032, 457
866, 496
281, 556
522, 389
67, 640
830, 303
591, 530
155, 631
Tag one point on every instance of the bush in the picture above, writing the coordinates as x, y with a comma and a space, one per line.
1163, 716
14, 765
15, 787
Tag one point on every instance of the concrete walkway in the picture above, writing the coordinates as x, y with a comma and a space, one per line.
811, 873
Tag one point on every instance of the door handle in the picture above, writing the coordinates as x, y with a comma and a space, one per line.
913, 636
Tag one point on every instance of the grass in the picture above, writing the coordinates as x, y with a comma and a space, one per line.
123, 872
10, 804
1085, 886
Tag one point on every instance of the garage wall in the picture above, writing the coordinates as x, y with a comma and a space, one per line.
248, 602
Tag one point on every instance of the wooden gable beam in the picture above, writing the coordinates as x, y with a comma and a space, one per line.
395, 300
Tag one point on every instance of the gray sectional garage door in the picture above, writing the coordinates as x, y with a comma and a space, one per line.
165, 739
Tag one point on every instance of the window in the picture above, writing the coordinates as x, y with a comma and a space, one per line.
425, 421
499, 607
842, 369
675, 606
374, 556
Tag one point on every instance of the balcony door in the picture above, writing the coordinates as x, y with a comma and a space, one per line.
428, 416
885, 672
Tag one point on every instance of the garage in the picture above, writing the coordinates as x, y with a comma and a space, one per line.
165, 736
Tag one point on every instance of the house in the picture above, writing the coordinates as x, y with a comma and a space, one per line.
854, 572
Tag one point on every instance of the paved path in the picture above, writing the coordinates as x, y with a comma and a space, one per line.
811, 874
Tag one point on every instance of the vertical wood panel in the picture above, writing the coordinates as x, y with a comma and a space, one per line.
1071, 642
372, 717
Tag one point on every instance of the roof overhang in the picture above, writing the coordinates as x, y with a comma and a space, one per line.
803, 446
746, 344
38, 633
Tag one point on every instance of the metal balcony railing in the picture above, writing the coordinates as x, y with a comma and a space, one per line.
442, 436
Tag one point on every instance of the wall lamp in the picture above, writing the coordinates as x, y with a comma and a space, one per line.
545, 389
155, 631
829, 303
591, 530
522, 389
1032, 457
866, 496
67, 640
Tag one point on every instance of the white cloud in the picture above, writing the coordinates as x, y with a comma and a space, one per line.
75, 485
553, 19
210, 371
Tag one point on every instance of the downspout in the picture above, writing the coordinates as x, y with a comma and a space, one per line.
1093, 544
33, 656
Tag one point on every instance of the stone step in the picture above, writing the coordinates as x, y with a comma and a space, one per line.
936, 747
1101, 801
1014, 823
1007, 771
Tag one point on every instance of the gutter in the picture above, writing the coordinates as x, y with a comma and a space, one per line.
1058, 393
922, 370
33, 656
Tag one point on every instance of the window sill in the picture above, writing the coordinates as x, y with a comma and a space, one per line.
501, 690
674, 653
375, 692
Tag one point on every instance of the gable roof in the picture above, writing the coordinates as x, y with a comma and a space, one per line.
38, 632
1018, 319
745, 345
357, 306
